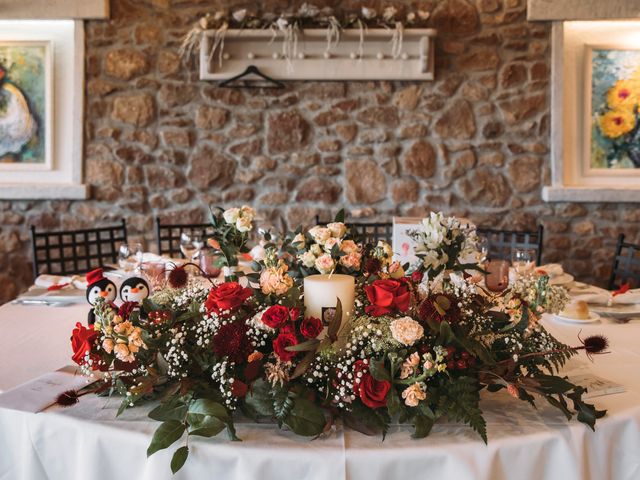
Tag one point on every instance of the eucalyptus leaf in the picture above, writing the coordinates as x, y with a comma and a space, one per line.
179, 458
166, 434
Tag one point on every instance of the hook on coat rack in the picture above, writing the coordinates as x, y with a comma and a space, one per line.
264, 80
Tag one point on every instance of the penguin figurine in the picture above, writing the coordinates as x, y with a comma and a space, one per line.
98, 286
134, 289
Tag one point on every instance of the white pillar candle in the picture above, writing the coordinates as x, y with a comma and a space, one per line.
321, 293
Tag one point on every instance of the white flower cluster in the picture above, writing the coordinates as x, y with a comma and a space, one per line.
539, 294
194, 291
438, 236
242, 218
319, 253
221, 373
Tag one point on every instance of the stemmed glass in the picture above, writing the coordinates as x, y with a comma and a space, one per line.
187, 246
156, 273
198, 244
129, 256
483, 248
523, 260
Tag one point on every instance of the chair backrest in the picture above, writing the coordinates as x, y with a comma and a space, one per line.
626, 265
368, 232
168, 236
68, 252
502, 242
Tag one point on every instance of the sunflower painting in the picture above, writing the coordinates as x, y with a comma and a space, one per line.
24, 103
615, 98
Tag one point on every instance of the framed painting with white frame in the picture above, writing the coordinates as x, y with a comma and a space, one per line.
575, 116
58, 175
26, 106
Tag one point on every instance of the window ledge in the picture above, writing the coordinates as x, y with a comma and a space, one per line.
591, 194
52, 191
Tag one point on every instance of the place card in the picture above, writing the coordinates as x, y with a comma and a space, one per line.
403, 245
40, 393
596, 386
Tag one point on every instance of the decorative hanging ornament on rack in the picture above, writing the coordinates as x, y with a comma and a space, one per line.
314, 43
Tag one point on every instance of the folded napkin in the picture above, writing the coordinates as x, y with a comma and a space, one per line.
57, 282
603, 297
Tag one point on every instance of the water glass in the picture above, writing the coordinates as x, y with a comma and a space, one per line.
483, 248
523, 260
209, 264
497, 277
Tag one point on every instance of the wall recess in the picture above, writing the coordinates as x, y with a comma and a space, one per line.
377, 54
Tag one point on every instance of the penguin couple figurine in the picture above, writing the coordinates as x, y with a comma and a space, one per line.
133, 289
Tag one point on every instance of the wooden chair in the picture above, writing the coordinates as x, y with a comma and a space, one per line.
368, 232
626, 265
502, 242
76, 251
168, 236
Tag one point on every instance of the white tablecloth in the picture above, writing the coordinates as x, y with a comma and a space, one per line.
87, 441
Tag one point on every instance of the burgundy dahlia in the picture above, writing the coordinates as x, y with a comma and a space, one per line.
231, 341
178, 277
439, 308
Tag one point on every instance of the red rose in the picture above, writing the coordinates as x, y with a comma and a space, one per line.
283, 341
416, 276
294, 313
387, 296
82, 342
275, 316
372, 392
311, 327
226, 297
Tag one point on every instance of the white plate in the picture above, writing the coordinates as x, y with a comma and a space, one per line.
617, 311
593, 317
563, 279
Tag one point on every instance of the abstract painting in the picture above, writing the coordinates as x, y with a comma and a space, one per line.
25, 104
613, 90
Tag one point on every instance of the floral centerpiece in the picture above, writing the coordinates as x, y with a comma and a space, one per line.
416, 348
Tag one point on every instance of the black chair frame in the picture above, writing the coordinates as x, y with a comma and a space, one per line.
168, 236
67, 252
626, 264
503, 242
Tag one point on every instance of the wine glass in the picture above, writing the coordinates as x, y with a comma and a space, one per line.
497, 277
198, 242
483, 248
129, 256
186, 246
523, 260
209, 264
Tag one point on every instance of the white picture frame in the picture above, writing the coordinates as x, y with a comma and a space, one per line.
47, 116
570, 180
402, 244
63, 176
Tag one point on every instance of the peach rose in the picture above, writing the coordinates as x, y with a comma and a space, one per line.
409, 366
123, 353
413, 394
337, 229
351, 261
320, 234
324, 263
349, 246
107, 345
406, 330
330, 243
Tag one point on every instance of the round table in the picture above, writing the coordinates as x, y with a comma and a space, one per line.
87, 441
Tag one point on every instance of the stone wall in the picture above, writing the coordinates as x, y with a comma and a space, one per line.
475, 142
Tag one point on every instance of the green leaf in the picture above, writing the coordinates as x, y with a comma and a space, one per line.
178, 459
204, 425
445, 335
171, 410
394, 404
378, 370
305, 418
339, 216
367, 420
423, 426
166, 434
334, 326
304, 364
259, 399
205, 406
309, 345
